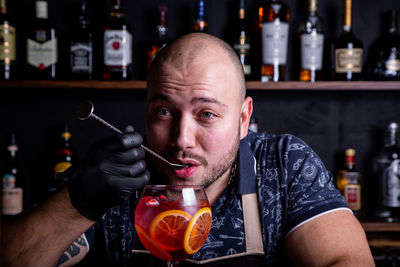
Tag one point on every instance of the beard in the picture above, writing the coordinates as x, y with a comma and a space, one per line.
223, 166
211, 174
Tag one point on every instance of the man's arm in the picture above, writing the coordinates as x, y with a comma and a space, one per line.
41, 235
333, 239
75, 252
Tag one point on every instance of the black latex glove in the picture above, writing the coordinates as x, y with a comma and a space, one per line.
113, 171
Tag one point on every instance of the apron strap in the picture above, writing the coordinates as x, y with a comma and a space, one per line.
252, 224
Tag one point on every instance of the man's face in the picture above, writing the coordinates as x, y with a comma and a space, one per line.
193, 117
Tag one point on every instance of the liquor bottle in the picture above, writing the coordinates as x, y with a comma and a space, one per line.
242, 42
161, 36
7, 44
274, 40
65, 154
117, 45
312, 45
12, 192
386, 169
81, 47
253, 125
199, 23
348, 182
348, 51
41, 43
386, 65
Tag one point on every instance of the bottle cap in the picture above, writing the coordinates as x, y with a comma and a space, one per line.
350, 152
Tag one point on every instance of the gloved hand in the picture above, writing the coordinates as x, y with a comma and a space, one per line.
113, 170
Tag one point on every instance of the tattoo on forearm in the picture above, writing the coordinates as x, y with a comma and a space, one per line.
74, 250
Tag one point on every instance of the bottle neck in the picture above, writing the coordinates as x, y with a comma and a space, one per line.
392, 138
117, 3
347, 16
312, 7
41, 9
3, 7
394, 23
350, 162
200, 11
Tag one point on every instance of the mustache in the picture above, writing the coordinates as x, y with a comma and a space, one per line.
186, 154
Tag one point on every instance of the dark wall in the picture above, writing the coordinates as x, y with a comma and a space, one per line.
328, 121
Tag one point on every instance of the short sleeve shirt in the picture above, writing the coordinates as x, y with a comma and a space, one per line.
292, 184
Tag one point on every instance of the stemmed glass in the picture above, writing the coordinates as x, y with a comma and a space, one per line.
173, 221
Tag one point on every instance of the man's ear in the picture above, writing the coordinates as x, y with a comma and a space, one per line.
245, 115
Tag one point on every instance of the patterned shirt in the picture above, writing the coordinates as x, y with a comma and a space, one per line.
292, 184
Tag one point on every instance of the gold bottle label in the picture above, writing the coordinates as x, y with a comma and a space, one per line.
352, 194
348, 60
11, 201
7, 43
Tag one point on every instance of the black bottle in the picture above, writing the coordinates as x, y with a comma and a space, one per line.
81, 47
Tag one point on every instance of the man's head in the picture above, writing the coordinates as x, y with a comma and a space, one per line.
196, 108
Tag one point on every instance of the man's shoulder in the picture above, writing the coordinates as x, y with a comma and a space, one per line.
273, 142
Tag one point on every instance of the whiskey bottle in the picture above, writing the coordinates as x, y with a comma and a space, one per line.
65, 153
41, 43
274, 40
161, 35
199, 22
386, 65
242, 42
348, 182
312, 45
12, 192
387, 172
117, 45
7, 44
81, 46
348, 50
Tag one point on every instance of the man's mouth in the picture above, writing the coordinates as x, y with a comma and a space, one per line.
192, 167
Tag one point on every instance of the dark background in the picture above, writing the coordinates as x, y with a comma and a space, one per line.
329, 121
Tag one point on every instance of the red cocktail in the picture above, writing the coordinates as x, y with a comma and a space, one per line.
173, 222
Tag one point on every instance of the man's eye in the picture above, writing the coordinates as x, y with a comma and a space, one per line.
163, 112
207, 115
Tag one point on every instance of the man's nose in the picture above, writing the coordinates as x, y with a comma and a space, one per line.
185, 132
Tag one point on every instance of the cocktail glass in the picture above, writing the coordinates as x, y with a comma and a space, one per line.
173, 221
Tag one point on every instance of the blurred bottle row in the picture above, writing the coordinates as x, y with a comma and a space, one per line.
264, 58
13, 180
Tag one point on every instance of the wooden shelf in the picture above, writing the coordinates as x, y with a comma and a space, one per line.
251, 85
380, 227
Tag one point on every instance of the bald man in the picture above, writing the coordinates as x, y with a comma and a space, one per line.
273, 201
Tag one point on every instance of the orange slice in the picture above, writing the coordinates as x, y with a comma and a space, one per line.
169, 227
151, 245
198, 229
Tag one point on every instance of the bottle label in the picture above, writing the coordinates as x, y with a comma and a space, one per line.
352, 194
274, 41
117, 48
348, 60
7, 43
312, 46
393, 65
81, 57
243, 50
42, 55
11, 201
60, 167
391, 184
9, 180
